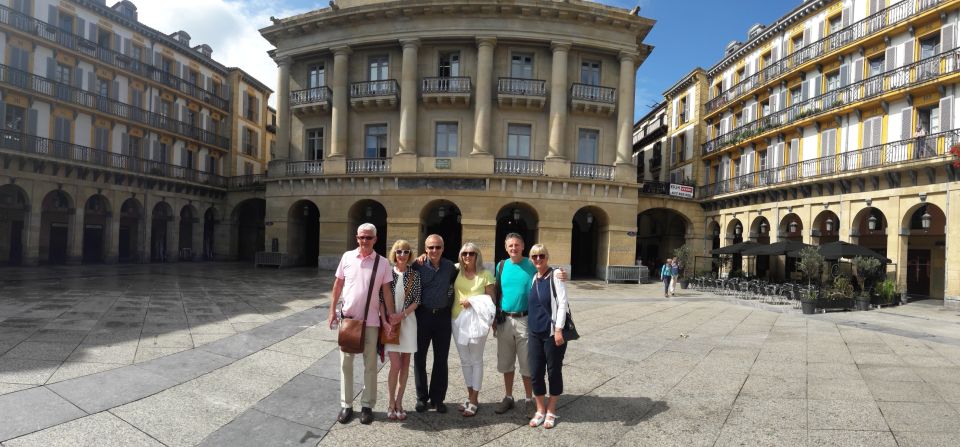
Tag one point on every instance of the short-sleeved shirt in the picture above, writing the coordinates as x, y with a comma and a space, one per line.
465, 288
355, 271
435, 282
515, 284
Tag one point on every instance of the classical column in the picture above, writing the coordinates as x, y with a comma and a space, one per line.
283, 111
481, 136
112, 236
341, 59
408, 98
625, 109
75, 236
558, 100
31, 247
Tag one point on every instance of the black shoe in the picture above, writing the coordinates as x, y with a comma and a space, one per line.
366, 416
441, 408
421, 406
345, 416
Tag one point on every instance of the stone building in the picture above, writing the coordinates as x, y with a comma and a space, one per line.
119, 142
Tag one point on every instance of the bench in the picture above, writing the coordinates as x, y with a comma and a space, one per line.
275, 259
624, 273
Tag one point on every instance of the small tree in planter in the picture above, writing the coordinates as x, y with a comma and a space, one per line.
866, 269
887, 290
811, 264
684, 256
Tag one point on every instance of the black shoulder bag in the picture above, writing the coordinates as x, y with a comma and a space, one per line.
499, 317
569, 329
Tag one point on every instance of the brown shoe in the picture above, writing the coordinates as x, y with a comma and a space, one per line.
505, 405
345, 415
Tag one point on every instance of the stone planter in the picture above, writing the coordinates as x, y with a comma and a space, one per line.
835, 303
862, 303
808, 306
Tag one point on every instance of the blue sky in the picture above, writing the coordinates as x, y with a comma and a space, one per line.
688, 33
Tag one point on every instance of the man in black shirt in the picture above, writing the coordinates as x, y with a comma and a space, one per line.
433, 325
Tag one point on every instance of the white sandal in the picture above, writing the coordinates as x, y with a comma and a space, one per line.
537, 419
550, 421
470, 411
462, 407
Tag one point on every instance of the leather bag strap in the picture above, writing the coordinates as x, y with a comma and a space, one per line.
373, 277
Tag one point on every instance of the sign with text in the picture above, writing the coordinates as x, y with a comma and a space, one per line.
681, 191
442, 163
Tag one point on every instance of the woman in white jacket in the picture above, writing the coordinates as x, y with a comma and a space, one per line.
472, 314
547, 307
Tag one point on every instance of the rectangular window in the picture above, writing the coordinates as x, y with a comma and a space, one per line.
249, 142
167, 65
796, 96
521, 66
61, 74
252, 104
137, 53
212, 164
929, 46
590, 72
14, 118
835, 23
449, 65
163, 153
518, 141
61, 129
103, 87
797, 43
876, 65
587, 146
190, 117
378, 67
192, 77
376, 141
766, 60
316, 76
680, 148
765, 108
736, 168
833, 81
188, 159
101, 138
103, 38
248, 169
65, 22
446, 142
762, 160
133, 147
315, 144
165, 107
683, 110
741, 73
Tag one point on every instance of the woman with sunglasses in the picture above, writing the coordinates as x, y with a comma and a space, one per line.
547, 304
406, 293
473, 289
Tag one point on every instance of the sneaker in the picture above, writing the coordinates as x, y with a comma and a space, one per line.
505, 405
529, 408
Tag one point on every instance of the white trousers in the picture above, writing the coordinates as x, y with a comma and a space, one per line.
471, 360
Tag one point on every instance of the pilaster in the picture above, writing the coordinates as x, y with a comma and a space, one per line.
339, 111
558, 100
484, 96
408, 98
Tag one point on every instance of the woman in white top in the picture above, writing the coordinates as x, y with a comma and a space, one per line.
406, 293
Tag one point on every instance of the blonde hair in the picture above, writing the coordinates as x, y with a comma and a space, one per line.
401, 244
539, 249
472, 247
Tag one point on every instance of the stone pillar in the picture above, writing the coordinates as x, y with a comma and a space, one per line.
951, 292
283, 150
75, 237
482, 111
558, 101
408, 98
173, 237
624, 163
339, 131
112, 234
31, 249
196, 248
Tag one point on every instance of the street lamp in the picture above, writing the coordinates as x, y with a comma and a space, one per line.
829, 225
589, 218
872, 223
793, 227
738, 229
369, 211
763, 228
516, 214
925, 220
442, 211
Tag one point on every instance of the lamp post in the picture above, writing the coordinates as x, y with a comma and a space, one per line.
829, 225
763, 228
793, 227
872, 223
738, 229
925, 220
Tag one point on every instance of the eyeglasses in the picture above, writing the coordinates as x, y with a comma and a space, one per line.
468, 253
538, 256
435, 247
402, 252
365, 238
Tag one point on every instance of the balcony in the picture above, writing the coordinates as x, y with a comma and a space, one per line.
311, 100
591, 171
446, 91
308, 168
250, 182
367, 165
82, 155
907, 76
75, 96
934, 146
518, 166
374, 95
880, 21
593, 99
91, 49
655, 164
522, 93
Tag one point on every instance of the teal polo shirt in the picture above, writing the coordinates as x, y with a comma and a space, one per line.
515, 282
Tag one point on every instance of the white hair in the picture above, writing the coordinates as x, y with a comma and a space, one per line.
367, 227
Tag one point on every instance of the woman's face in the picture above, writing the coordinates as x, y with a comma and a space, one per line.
403, 255
539, 259
468, 257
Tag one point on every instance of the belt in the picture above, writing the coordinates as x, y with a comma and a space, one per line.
434, 311
516, 314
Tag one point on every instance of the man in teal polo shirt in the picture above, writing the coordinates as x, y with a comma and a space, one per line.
513, 285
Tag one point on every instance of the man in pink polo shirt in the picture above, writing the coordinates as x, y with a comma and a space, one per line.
352, 283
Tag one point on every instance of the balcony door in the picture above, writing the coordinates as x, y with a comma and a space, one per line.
590, 72
379, 67
521, 66
376, 141
449, 65
316, 76
587, 147
518, 141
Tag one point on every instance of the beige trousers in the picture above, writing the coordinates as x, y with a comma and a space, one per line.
369, 397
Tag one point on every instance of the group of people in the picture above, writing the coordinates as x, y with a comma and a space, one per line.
431, 300
670, 274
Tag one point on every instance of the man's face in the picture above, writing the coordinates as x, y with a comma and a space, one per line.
434, 248
514, 247
365, 240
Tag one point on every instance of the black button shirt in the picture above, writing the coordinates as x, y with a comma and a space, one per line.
435, 283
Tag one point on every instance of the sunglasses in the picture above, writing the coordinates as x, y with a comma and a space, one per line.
402, 252
435, 247
538, 256
365, 238
468, 253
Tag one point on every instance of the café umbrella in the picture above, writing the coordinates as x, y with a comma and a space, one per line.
774, 249
734, 249
839, 249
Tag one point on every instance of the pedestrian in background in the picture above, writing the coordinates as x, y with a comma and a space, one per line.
665, 276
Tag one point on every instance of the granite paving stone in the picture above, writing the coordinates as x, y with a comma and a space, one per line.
100, 429
851, 438
254, 428
98, 392
46, 410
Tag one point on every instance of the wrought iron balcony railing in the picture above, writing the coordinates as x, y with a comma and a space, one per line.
522, 87
884, 155
310, 95
367, 165
366, 89
76, 96
89, 48
64, 151
304, 168
907, 76
591, 171
879, 21
595, 93
246, 182
518, 166
454, 84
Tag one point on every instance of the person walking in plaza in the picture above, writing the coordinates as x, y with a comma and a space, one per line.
666, 273
355, 272
406, 294
513, 277
472, 312
548, 306
674, 276
433, 325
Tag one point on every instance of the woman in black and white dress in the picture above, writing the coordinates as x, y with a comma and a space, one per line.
406, 293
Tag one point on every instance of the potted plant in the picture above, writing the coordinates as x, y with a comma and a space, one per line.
866, 269
683, 255
840, 295
811, 262
887, 291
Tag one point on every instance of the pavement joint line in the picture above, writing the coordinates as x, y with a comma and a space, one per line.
135, 427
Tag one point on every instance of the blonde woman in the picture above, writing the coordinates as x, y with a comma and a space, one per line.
406, 293
473, 311
546, 344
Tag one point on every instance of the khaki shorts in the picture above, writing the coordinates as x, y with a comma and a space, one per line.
512, 346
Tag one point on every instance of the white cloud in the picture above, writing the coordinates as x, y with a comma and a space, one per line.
231, 28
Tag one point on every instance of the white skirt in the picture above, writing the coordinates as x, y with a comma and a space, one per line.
408, 336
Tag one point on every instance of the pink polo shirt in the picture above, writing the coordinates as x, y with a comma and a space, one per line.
355, 272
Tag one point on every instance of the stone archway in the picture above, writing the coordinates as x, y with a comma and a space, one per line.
303, 232
588, 243
14, 215
211, 218
442, 217
516, 217
96, 223
869, 229
248, 216
826, 228
129, 237
925, 266
369, 211
659, 232
760, 233
734, 235
161, 228
189, 221
58, 212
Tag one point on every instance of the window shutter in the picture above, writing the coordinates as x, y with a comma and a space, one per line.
92, 34
891, 59
158, 60
906, 123
876, 130
908, 52
794, 150
873, 7
156, 151
844, 75
51, 64
256, 109
833, 141
53, 15
817, 85
845, 17
804, 90
858, 70
946, 113
124, 143
778, 155
126, 47
116, 42
246, 106
176, 68
775, 54
773, 102
782, 102
78, 78
115, 91
688, 150
92, 83
947, 41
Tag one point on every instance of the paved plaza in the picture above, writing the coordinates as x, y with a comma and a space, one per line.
205, 354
